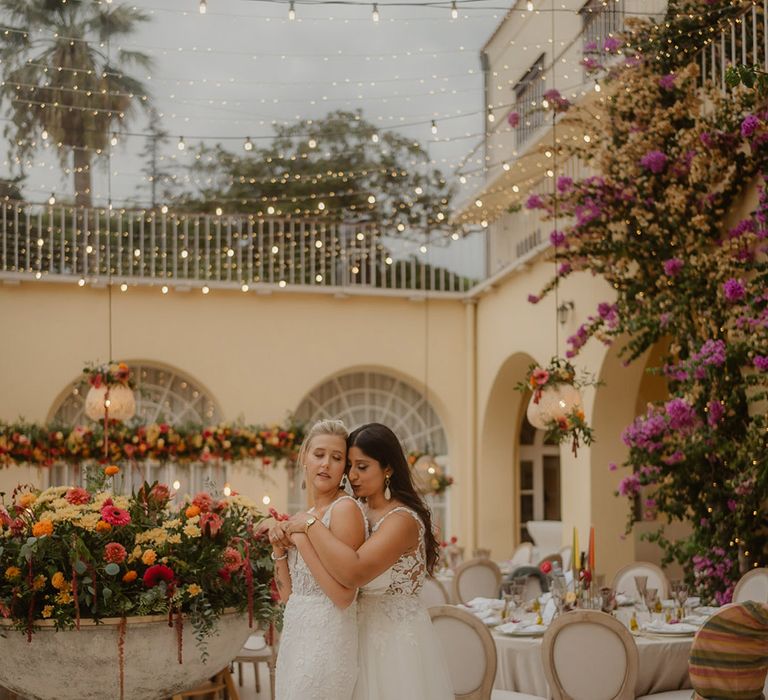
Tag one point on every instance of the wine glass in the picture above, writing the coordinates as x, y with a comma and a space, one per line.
680, 594
607, 599
559, 590
652, 601
641, 583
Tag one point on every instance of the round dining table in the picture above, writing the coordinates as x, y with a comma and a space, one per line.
663, 664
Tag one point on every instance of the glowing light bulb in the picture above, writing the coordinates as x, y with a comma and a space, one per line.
248, 145
423, 249
266, 500
181, 145
454, 10
491, 117
81, 282
312, 143
375, 15
244, 288
375, 138
291, 12
206, 289
505, 165
434, 127
52, 199
203, 7
44, 135
123, 287
176, 485
529, 6
113, 140
227, 489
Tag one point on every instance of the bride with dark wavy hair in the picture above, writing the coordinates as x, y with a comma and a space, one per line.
399, 653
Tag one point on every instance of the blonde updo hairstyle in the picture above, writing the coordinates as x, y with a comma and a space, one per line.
321, 427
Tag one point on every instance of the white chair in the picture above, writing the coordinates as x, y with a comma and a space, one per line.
471, 654
752, 586
547, 535
589, 655
256, 651
476, 578
433, 593
624, 580
566, 554
522, 555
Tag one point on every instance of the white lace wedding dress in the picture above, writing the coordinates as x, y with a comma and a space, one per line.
318, 645
400, 655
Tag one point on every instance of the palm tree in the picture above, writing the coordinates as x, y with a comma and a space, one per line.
62, 82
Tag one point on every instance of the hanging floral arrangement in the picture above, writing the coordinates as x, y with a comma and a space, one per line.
428, 476
556, 405
111, 392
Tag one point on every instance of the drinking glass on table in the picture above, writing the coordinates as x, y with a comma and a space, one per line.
680, 594
514, 592
652, 602
559, 589
641, 582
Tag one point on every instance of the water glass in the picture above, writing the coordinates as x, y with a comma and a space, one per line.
641, 582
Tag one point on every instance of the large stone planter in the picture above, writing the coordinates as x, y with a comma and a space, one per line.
85, 664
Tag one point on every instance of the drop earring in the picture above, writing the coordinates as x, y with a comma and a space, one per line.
387, 492
343, 484
304, 478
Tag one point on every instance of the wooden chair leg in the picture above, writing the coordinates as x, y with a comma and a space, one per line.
229, 684
239, 673
272, 680
256, 673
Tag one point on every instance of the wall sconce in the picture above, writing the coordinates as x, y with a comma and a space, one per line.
562, 311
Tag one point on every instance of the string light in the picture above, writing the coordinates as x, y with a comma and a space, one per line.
375, 15
205, 289
434, 127
312, 143
203, 7
529, 6
113, 140
291, 11
123, 287
375, 137
248, 145
491, 117
52, 199
44, 135
181, 145
454, 10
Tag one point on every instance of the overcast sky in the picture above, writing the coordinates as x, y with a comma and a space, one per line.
242, 66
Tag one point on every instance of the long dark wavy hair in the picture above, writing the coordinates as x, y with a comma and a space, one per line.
378, 442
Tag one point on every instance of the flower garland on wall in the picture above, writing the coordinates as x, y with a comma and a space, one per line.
651, 223
43, 445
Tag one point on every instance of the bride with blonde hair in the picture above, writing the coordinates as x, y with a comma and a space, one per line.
318, 646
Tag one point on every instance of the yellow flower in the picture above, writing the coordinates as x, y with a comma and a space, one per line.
58, 581
39, 582
12, 572
48, 611
149, 557
194, 590
26, 500
42, 528
63, 597
192, 531
174, 539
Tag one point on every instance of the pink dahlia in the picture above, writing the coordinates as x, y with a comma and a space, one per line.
77, 496
211, 523
114, 553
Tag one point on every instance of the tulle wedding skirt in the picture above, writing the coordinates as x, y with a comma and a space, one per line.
400, 656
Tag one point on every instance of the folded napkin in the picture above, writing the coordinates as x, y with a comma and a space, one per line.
520, 628
670, 628
694, 601
487, 616
697, 620
486, 603
706, 610
624, 599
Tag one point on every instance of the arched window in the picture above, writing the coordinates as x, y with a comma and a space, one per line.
162, 395
364, 397
539, 478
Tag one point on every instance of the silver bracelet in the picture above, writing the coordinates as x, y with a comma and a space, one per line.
274, 558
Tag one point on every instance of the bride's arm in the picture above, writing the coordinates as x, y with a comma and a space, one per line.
347, 528
354, 568
280, 557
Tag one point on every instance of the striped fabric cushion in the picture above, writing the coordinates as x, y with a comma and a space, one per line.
729, 656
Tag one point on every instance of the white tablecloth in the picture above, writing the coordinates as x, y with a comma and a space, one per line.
663, 664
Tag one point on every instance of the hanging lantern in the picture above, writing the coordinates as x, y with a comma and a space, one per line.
555, 403
122, 403
111, 392
426, 473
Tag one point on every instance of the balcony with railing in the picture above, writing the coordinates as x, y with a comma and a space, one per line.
205, 251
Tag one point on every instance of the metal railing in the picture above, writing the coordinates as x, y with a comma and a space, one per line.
174, 249
744, 41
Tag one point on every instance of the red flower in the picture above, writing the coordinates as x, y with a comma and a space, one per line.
233, 560
211, 522
115, 516
203, 501
225, 575
454, 539
114, 553
77, 496
545, 567
160, 494
154, 574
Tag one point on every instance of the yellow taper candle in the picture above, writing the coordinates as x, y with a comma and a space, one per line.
591, 558
575, 557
